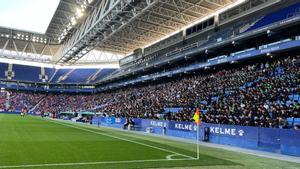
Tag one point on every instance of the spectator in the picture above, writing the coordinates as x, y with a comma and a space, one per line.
250, 95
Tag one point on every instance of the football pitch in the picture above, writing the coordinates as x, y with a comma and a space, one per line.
33, 142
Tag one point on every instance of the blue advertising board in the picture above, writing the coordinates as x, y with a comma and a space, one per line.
182, 126
109, 121
157, 126
267, 139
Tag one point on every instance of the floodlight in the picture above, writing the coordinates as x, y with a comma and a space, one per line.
73, 21
79, 13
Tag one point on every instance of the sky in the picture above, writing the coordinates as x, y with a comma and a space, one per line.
27, 15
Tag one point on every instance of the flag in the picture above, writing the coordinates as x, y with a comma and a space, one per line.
197, 117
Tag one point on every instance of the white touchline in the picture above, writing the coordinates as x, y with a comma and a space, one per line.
119, 138
87, 163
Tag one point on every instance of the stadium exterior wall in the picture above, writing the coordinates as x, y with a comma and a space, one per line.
284, 141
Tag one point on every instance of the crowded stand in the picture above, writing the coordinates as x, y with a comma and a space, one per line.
2, 101
153, 83
15, 101
263, 94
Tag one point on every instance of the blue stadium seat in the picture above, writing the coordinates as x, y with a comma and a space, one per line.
103, 73
204, 102
204, 111
172, 109
296, 97
215, 98
291, 11
293, 121
79, 75
291, 97
26, 73
296, 121
32, 74
3, 68
58, 74
49, 72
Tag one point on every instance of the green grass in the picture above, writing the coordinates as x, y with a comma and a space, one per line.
35, 141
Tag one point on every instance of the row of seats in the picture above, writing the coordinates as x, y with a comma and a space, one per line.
38, 74
280, 15
261, 102
269, 97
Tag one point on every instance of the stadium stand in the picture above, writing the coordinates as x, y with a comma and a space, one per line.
101, 74
79, 76
60, 75
3, 68
173, 73
26, 73
238, 95
49, 72
23, 73
18, 100
283, 14
165, 49
3, 101
234, 30
262, 94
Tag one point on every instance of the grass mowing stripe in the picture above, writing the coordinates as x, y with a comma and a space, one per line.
119, 138
89, 163
33, 141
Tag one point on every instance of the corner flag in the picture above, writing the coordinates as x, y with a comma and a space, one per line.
197, 117
198, 121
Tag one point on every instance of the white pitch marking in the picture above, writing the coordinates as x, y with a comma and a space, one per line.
119, 138
169, 157
87, 163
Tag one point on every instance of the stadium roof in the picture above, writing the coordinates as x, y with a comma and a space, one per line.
116, 26
122, 26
